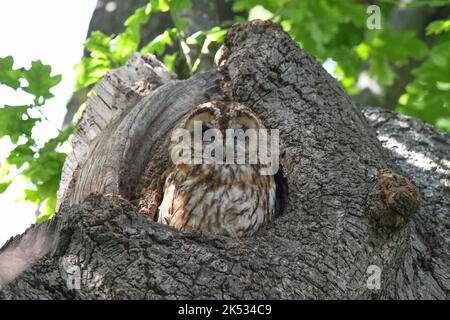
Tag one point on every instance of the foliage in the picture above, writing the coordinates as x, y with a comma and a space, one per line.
40, 166
337, 30
108, 52
428, 95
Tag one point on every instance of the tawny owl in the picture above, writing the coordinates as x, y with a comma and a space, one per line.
215, 194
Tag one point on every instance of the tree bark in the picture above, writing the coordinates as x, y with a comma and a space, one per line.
347, 204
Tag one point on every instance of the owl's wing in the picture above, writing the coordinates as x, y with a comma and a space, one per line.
165, 208
173, 210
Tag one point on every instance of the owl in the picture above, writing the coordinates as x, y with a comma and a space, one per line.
221, 194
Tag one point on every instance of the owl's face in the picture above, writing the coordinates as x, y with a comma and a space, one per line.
211, 120
222, 116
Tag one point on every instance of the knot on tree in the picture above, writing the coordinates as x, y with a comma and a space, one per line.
393, 201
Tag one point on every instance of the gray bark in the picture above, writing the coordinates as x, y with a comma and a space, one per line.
335, 222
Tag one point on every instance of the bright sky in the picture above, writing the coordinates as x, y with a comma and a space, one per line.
52, 31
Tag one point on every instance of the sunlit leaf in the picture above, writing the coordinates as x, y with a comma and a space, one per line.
216, 34
158, 44
382, 71
90, 71
139, 17
21, 154
98, 44
124, 45
15, 122
169, 60
259, 12
437, 27
160, 5
5, 185
47, 210
363, 50
428, 95
443, 124
40, 80
8, 75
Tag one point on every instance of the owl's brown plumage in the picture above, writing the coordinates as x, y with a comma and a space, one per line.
227, 199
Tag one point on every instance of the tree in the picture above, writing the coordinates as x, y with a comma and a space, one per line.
348, 206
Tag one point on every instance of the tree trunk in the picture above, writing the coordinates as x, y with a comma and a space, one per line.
349, 216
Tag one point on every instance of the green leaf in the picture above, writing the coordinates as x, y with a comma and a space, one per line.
111, 52
41, 167
259, 12
177, 5
438, 26
398, 46
47, 210
8, 75
160, 5
180, 23
5, 179
443, 124
90, 70
428, 95
40, 80
139, 17
363, 50
124, 45
5, 185
44, 172
423, 3
98, 44
169, 61
128, 41
216, 34
158, 44
444, 86
194, 38
33, 196
381, 69
21, 154
15, 122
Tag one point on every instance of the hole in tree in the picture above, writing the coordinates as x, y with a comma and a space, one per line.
281, 192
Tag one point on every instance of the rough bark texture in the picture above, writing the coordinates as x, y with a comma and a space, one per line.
332, 162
